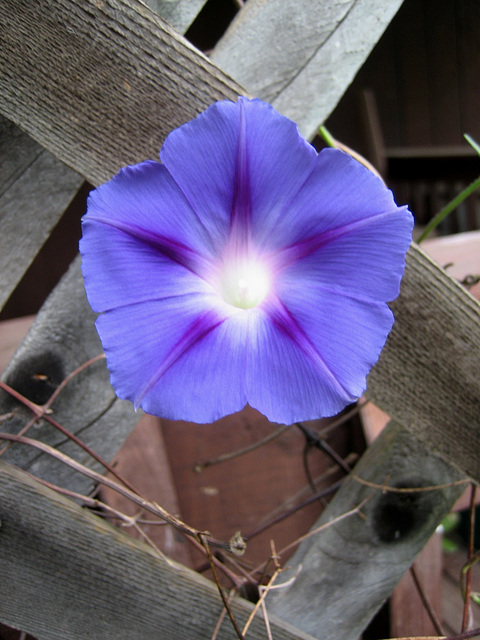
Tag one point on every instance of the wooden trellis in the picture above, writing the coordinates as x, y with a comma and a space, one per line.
99, 84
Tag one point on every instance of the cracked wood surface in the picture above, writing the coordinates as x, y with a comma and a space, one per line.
304, 74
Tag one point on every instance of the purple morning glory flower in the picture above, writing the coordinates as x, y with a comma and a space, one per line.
244, 268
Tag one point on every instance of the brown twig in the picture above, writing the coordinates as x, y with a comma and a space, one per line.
343, 418
465, 635
426, 601
70, 377
318, 496
314, 440
201, 537
471, 553
40, 412
261, 568
263, 593
225, 457
222, 615
152, 507
386, 489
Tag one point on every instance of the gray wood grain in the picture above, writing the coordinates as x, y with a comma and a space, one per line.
301, 56
29, 210
349, 569
101, 84
41, 187
269, 42
68, 575
428, 375
178, 13
62, 338
17, 152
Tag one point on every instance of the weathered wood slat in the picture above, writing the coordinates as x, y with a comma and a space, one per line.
101, 84
41, 186
62, 338
366, 557
301, 56
66, 574
428, 375
17, 152
178, 13
269, 42
29, 210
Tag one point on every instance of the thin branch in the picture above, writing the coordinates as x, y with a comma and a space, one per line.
222, 615
264, 591
292, 503
261, 568
225, 457
152, 507
313, 440
426, 602
202, 538
347, 514
343, 418
465, 635
94, 503
41, 413
386, 489
70, 377
471, 554
317, 496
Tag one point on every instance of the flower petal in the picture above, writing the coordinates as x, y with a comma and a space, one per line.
279, 162
202, 157
179, 358
288, 377
333, 342
338, 192
364, 259
120, 269
145, 198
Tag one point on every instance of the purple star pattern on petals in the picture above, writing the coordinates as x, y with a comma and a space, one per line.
243, 268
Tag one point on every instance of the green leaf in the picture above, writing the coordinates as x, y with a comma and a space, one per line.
451, 206
472, 142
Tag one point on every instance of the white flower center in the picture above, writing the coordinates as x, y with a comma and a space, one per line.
244, 283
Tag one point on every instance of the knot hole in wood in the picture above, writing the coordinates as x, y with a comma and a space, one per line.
398, 516
38, 376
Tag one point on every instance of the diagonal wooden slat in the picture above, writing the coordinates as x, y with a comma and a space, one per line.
29, 210
299, 55
62, 338
178, 13
66, 574
428, 375
366, 557
101, 84
35, 187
